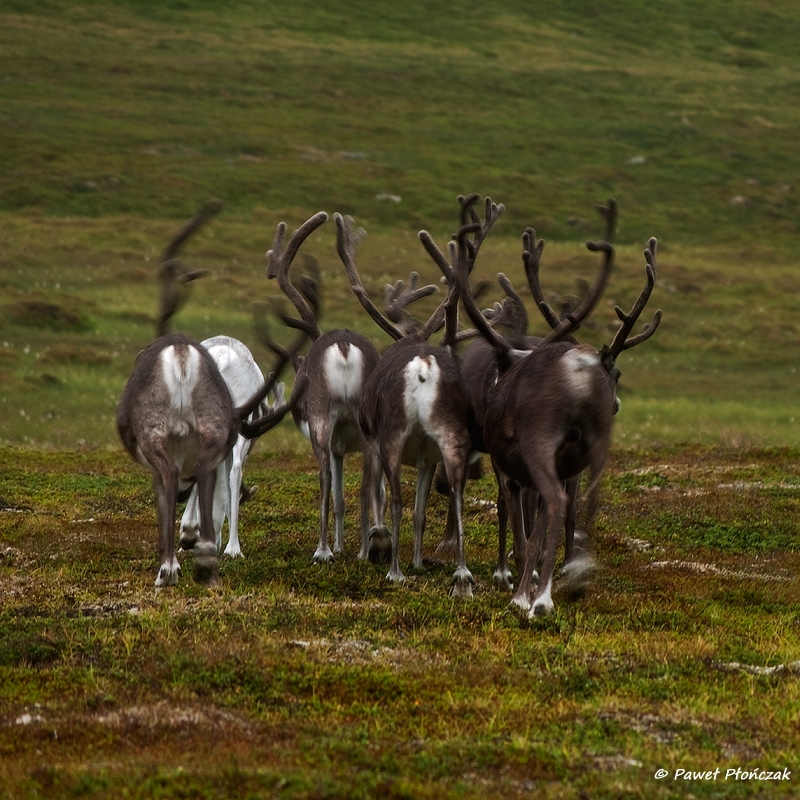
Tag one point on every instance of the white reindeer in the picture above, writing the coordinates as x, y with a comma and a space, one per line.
243, 378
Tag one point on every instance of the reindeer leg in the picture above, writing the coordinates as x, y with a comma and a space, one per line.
337, 487
424, 482
555, 505
165, 484
323, 553
579, 568
190, 522
526, 565
222, 503
376, 542
570, 518
234, 488
455, 465
205, 551
447, 549
364, 502
166, 487
395, 574
502, 574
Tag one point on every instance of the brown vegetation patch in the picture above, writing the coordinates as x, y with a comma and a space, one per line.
42, 313
75, 354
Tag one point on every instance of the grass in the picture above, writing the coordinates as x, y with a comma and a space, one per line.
299, 681
119, 118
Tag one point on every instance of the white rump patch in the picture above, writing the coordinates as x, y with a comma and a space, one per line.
344, 374
579, 364
421, 390
180, 369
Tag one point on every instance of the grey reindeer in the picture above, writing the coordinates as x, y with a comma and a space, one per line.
414, 411
176, 416
333, 372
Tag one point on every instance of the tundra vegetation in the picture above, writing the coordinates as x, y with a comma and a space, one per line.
119, 119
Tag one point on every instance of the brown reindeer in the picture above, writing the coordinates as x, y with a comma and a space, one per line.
549, 411
177, 419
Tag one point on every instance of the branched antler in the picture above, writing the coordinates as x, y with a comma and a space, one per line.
347, 238
279, 260
479, 230
621, 341
563, 327
173, 277
399, 296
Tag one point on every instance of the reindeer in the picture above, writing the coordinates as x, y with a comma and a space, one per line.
177, 419
549, 410
414, 411
479, 361
244, 379
475, 363
335, 371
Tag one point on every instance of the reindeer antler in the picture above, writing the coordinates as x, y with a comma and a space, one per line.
399, 296
261, 310
621, 341
347, 237
531, 256
173, 276
279, 260
258, 427
480, 230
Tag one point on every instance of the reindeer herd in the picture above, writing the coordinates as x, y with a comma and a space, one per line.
541, 408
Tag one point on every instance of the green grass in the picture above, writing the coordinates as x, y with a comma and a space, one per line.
119, 119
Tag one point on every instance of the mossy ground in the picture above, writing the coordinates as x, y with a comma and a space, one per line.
308, 681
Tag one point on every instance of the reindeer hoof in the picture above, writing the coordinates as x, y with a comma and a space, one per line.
205, 563
396, 577
542, 610
380, 546
168, 574
322, 556
502, 579
188, 538
521, 603
462, 583
577, 575
247, 493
